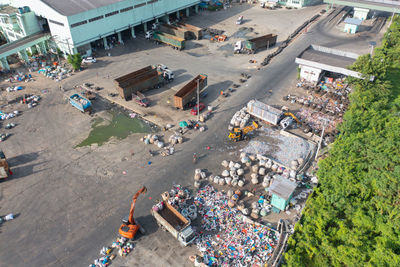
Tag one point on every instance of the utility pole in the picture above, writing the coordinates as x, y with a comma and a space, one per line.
324, 123
198, 100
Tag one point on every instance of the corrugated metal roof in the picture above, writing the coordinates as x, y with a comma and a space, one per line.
353, 21
282, 187
72, 7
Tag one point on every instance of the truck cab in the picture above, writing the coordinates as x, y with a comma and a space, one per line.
167, 73
149, 35
238, 47
239, 20
187, 236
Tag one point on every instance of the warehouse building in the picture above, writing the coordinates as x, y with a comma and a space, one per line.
75, 25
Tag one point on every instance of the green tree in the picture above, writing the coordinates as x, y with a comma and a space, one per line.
75, 60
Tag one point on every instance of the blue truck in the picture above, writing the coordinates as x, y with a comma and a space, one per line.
81, 103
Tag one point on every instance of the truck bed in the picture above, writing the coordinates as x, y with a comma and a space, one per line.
172, 218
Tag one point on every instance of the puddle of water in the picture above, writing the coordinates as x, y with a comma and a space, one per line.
120, 126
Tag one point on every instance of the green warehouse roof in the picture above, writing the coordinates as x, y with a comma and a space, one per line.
72, 7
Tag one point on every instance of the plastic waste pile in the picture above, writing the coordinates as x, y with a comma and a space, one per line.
14, 88
20, 77
55, 73
121, 245
7, 116
239, 242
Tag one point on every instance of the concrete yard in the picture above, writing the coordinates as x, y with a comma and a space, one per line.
69, 201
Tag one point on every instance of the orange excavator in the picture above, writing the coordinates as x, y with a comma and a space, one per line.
129, 227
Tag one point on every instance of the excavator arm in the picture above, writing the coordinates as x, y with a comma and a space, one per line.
132, 210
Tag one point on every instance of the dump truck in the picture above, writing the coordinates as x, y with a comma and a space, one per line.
171, 220
270, 114
175, 42
80, 102
4, 168
250, 46
147, 78
188, 92
194, 32
176, 31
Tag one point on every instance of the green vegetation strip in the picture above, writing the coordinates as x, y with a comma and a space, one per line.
353, 217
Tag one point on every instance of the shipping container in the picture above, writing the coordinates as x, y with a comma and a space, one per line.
176, 42
188, 92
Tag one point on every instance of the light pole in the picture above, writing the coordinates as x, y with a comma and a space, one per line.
324, 123
198, 100
372, 44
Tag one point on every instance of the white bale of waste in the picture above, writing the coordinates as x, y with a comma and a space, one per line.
243, 154
268, 164
265, 184
292, 174
221, 181
254, 168
254, 205
197, 177
261, 171
203, 175
202, 129
254, 180
225, 173
240, 172
232, 169
211, 178
180, 139
160, 144
234, 182
245, 211
237, 165
225, 163
274, 167
261, 163
255, 211
263, 212
244, 159
197, 184
254, 176
228, 180
259, 156
314, 180
240, 183
216, 179
237, 123
232, 173
229, 193
197, 171
231, 164
252, 157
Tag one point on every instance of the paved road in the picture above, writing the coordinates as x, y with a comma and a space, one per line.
69, 246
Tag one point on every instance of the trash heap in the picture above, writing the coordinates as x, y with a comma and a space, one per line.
239, 241
20, 77
327, 101
14, 88
55, 73
7, 116
122, 245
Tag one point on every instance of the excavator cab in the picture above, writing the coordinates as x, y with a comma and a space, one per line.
129, 227
236, 135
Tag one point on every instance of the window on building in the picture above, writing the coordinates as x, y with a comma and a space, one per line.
139, 5
112, 13
126, 9
56, 22
295, 2
96, 18
152, 1
78, 23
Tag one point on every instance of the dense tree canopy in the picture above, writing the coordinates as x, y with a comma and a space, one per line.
353, 217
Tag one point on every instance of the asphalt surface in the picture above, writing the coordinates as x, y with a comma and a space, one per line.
64, 245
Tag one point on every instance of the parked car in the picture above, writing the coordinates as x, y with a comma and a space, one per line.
89, 60
200, 108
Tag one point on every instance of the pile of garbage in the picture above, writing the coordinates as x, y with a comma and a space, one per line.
315, 121
55, 73
240, 119
152, 139
7, 116
20, 77
14, 88
122, 245
239, 242
181, 199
